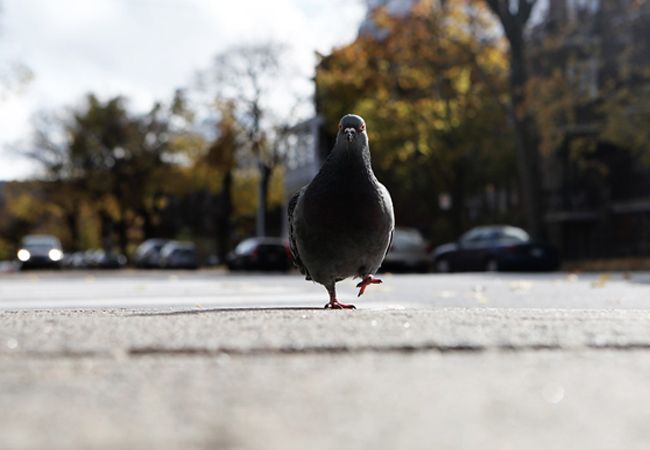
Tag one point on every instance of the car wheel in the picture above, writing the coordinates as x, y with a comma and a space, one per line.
442, 265
492, 265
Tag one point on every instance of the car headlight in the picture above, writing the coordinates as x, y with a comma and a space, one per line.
24, 255
55, 254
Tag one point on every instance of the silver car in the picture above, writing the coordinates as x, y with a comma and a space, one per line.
408, 252
179, 255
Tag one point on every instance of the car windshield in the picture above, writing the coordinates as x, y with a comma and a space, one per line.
507, 234
41, 241
151, 245
515, 234
245, 246
473, 235
407, 237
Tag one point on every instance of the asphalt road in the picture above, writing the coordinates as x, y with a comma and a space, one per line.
210, 360
213, 288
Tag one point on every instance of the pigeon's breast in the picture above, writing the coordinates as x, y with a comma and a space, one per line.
346, 211
342, 229
343, 236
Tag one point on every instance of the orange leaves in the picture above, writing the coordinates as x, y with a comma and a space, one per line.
430, 86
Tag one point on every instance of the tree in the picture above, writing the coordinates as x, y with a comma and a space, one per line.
24, 210
102, 155
247, 78
587, 96
431, 87
514, 16
113, 178
221, 154
60, 184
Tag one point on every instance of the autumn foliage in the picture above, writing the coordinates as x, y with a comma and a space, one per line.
432, 86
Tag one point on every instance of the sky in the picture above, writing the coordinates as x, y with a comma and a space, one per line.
144, 50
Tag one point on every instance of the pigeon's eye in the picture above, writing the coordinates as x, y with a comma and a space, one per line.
362, 127
340, 127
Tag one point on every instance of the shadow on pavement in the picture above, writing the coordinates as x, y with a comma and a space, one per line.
233, 309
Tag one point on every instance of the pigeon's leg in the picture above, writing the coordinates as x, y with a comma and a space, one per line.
334, 303
367, 281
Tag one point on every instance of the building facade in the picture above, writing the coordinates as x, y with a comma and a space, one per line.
597, 179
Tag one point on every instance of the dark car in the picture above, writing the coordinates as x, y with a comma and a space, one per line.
76, 260
40, 251
147, 255
495, 248
179, 255
260, 253
102, 259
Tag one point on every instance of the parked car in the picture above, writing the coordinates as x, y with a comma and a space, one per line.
147, 255
40, 251
260, 253
102, 259
179, 255
90, 258
76, 260
495, 248
408, 252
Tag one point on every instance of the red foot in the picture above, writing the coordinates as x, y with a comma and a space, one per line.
335, 304
367, 280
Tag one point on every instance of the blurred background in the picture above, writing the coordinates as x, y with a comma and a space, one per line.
171, 133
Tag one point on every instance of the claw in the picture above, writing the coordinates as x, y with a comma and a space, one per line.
367, 281
335, 304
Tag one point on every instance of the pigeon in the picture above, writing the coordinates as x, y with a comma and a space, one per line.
341, 224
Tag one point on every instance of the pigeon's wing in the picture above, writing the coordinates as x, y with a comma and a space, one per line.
292, 236
390, 242
388, 201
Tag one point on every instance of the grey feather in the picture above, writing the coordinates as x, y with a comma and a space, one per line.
341, 223
292, 237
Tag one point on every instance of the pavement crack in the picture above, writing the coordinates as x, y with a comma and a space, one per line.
208, 352
312, 350
621, 347
337, 350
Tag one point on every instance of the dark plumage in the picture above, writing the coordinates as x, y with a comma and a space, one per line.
341, 224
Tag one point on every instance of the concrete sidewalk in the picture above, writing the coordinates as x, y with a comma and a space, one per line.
300, 378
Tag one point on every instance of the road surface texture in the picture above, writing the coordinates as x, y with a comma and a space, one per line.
216, 361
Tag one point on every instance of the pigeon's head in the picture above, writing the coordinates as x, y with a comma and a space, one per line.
352, 129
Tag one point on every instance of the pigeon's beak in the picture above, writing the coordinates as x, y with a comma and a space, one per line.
350, 133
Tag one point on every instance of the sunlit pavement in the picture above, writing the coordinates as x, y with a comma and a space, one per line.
213, 360
218, 288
